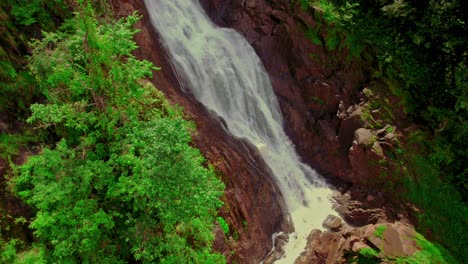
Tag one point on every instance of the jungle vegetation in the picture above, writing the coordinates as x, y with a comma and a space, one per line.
111, 176
419, 50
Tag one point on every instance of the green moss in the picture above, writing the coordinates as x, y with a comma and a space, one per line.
313, 35
224, 225
379, 231
10, 144
366, 256
368, 252
429, 253
332, 40
317, 100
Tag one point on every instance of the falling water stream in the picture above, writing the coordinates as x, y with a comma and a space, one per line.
224, 73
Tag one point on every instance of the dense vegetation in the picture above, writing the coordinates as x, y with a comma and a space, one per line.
115, 180
418, 49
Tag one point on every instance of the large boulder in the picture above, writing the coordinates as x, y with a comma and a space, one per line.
322, 247
394, 240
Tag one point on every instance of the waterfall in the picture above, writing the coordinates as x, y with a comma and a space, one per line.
220, 68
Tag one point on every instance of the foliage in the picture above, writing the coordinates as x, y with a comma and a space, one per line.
379, 231
368, 252
223, 225
420, 45
420, 49
16, 90
11, 143
444, 214
28, 12
123, 183
8, 251
429, 253
365, 256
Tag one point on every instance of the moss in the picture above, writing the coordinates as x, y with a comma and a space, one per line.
313, 35
224, 225
10, 144
429, 253
379, 231
332, 40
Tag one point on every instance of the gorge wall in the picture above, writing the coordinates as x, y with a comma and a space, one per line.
311, 91
319, 99
253, 206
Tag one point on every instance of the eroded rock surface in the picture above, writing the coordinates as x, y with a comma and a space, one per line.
323, 93
253, 206
323, 101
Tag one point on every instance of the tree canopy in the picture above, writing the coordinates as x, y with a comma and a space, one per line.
118, 180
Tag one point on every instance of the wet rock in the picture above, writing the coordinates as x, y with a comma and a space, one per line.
251, 195
278, 250
364, 165
327, 130
220, 239
322, 247
351, 240
333, 223
310, 92
356, 210
346, 131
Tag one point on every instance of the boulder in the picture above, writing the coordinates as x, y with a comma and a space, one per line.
364, 137
358, 246
333, 223
322, 247
396, 241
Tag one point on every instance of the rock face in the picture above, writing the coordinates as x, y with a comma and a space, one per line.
310, 91
322, 93
253, 206
322, 100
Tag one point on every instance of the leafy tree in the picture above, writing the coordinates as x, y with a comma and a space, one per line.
122, 184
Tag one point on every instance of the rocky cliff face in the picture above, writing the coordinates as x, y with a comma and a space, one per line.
253, 206
322, 102
311, 91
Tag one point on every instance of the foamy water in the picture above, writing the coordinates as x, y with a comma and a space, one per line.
224, 73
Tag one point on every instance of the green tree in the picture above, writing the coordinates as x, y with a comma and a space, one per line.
122, 183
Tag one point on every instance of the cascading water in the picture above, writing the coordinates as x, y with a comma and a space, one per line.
223, 72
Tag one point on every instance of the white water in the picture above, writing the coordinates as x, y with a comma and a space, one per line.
223, 72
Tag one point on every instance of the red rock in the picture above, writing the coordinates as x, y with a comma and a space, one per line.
309, 93
322, 247
250, 194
